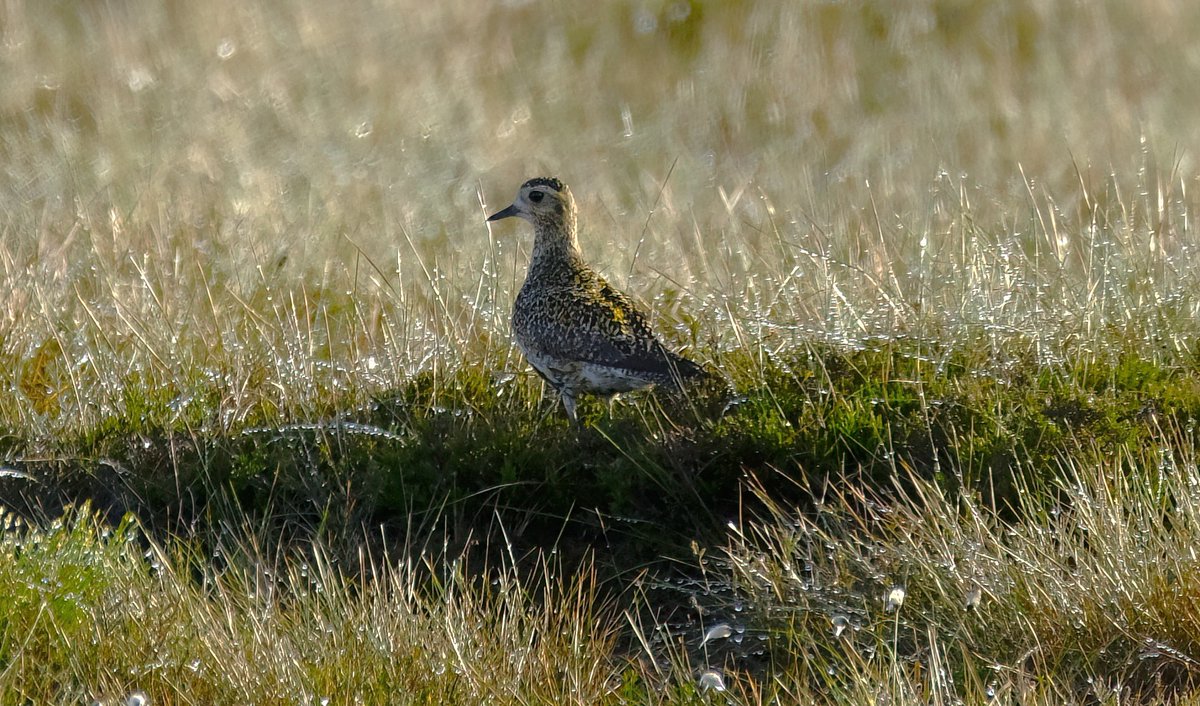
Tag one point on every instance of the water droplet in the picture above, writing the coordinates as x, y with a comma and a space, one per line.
678, 12
840, 623
644, 22
139, 79
719, 631
711, 679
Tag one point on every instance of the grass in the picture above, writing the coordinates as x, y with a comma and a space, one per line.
1087, 599
269, 440
178, 624
1084, 589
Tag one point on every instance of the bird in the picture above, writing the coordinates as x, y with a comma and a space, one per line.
581, 334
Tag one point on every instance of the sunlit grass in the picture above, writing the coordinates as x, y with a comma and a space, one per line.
930, 598
278, 210
97, 614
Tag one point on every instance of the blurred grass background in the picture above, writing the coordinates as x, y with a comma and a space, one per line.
280, 203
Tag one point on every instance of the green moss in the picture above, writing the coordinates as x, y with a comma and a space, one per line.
475, 443
54, 575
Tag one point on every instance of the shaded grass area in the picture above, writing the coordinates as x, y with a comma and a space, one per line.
1079, 589
466, 448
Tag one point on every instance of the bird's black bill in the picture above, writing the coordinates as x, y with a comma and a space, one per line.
506, 213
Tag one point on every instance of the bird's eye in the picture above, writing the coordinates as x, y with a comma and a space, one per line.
536, 196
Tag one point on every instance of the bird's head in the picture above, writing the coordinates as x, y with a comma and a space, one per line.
544, 202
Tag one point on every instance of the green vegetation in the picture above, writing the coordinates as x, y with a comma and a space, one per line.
264, 437
468, 446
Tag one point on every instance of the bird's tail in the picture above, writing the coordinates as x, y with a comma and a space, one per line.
686, 371
701, 389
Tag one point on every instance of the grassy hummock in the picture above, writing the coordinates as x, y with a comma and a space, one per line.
790, 512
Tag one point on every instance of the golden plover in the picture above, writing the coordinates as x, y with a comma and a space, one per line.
576, 330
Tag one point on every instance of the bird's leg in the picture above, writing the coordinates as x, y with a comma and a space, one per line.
612, 400
568, 401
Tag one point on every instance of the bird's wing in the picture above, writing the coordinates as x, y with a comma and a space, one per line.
595, 323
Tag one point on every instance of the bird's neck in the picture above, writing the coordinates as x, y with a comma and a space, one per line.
555, 245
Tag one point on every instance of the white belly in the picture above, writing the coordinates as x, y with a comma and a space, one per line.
575, 377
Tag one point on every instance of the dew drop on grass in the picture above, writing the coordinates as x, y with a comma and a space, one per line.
644, 22
627, 120
840, 623
711, 679
139, 79
678, 12
719, 631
